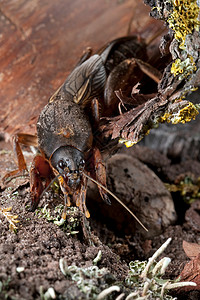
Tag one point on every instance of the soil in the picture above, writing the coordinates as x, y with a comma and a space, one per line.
30, 257
41, 260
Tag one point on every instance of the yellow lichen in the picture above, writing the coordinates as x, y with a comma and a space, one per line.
188, 187
127, 143
184, 19
185, 67
186, 114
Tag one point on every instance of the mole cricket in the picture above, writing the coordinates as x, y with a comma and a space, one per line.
67, 148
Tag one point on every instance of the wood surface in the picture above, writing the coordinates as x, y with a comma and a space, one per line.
41, 41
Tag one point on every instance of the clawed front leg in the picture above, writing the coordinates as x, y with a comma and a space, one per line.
80, 197
100, 174
40, 170
98, 170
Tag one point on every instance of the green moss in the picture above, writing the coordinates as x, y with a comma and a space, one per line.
71, 224
90, 280
4, 288
146, 277
144, 281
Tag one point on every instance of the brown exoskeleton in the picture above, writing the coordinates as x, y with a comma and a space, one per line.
65, 128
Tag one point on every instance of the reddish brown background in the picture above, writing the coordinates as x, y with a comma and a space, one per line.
41, 41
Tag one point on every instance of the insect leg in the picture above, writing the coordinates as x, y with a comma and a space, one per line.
24, 139
95, 112
40, 169
67, 203
80, 197
100, 174
150, 71
123, 77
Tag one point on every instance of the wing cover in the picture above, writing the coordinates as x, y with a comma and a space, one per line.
86, 81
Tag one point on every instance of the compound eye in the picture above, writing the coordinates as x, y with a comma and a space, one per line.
82, 164
61, 164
